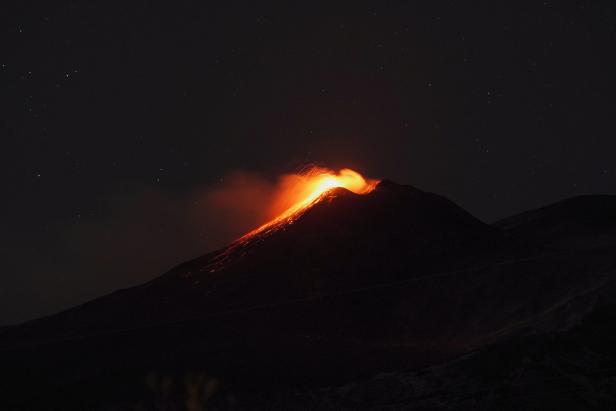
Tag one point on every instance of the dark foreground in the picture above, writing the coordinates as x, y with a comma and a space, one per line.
394, 300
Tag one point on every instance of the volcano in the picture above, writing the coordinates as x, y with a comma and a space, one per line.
388, 296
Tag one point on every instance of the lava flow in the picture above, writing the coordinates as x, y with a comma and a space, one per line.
301, 191
296, 194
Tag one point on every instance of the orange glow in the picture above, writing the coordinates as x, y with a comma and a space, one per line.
293, 195
298, 192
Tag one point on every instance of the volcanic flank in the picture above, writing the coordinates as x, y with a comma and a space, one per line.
345, 284
337, 241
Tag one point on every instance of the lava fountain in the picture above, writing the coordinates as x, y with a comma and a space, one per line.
295, 194
299, 192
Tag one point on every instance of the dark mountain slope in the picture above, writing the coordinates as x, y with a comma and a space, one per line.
344, 242
357, 284
579, 221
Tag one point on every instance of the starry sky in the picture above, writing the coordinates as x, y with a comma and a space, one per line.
119, 121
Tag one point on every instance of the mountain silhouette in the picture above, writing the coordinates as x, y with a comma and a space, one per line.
395, 281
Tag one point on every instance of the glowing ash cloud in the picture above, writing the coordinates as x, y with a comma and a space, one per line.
297, 192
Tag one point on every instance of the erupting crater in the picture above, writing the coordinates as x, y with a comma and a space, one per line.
304, 190
297, 193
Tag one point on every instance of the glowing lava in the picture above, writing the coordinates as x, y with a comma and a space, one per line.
295, 194
318, 180
301, 191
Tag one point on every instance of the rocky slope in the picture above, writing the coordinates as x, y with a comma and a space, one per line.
393, 281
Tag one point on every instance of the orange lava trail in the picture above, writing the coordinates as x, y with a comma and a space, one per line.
302, 191
309, 190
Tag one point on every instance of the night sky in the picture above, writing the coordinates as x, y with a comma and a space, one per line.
118, 122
